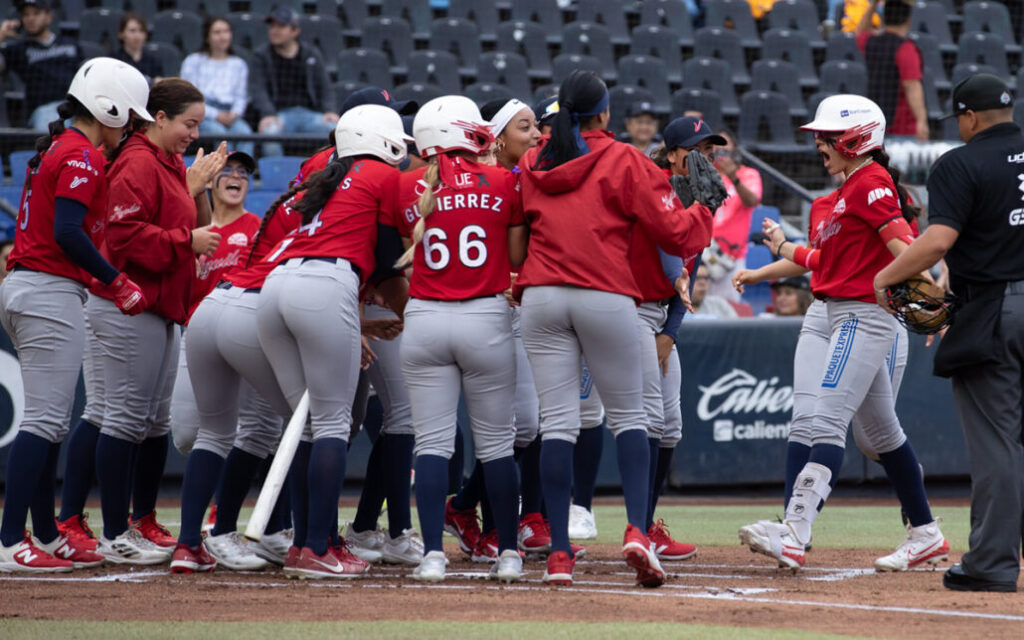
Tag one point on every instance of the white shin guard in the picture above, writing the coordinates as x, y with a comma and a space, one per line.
811, 487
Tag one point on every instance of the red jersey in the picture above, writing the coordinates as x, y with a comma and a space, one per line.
852, 251
347, 225
582, 216
231, 255
150, 218
314, 163
255, 269
410, 187
464, 251
71, 168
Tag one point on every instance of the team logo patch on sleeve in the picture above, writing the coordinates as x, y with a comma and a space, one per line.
878, 194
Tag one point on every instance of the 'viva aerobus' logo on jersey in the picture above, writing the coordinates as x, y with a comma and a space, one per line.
737, 394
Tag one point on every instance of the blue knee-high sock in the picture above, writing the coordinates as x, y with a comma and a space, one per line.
664, 467
904, 472
114, 458
281, 515
502, 482
556, 463
472, 490
326, 475
586, 461
372, 496
397, 466
652, 472
202, 471
26, 462
796, 457
829, 456
634, 461
455, 464
529, 476
78, 469
486, 515
299, 479
43, 525
149, 469
240, 469
431, 489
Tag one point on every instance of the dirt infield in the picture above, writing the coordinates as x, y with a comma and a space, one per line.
837, 593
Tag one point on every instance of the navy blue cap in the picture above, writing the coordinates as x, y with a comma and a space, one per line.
247, 161
545, 110
376, 95
284, 14
688, 132
797, 282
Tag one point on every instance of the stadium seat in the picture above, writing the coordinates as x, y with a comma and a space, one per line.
991, 17
707, 102
546, 91
724, 44
758, 296
168, 55
248, 30
565, 63
508, 69
793, 47
461, 38
259, 200
671, 14
659, 42
843, 46
797, 15
421, 93
147, 8
483, 13
843, 76
984, 48
435, 67
352, 13
950, 128
91, 49
720, 13
620, 99
18, 162
930, 17
779, 76
712, 74
932, 59
366, 66
100, 26
200, 7
528, 40
545, 13
964, 70
760, 213
815, 100
649, 73
342, 90
609, 13
765, 124
416, 12
183, 29
322, 32
277, 171
591, 39
932, 104
483, 92
393, 36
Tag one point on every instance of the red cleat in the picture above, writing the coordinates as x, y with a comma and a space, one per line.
191, 560
665, 547
486, 547
639, 554
464, 525
534, 534
559, 570
26, 557
76, 528
154, 531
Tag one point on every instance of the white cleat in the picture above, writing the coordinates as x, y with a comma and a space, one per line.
508, 568
368, 545
273, 547
232, 551
405, 549
581, 523
131, 548
431, 568
924, 545
775, 540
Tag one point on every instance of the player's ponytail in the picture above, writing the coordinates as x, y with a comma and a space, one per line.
582, 97
909, 210
320, 186
70, 109
426, 205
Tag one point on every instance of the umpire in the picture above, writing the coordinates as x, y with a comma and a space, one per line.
976, 216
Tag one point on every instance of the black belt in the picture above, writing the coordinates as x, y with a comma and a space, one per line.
224, 284
332, 261
21, 267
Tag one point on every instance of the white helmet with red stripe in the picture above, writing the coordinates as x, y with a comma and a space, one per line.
371, 130
450, 123
858, 121
111, 91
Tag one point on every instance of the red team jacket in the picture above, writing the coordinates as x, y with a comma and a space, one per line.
583, 214
150, 218
231, 255
70, 168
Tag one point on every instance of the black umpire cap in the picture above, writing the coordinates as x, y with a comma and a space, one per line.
980, 92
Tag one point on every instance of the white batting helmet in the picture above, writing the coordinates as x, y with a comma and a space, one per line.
372, 130
859, 122
111, 90
449, 123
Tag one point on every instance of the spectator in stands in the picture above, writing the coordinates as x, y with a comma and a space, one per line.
705, 304
642, 127
288, 82
732, 220
850, 13
5, 251
895, 70
223, 78
760, 8
132, 33
45, 62
792, 296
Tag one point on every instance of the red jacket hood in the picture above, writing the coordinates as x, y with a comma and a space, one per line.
138, 143
568, 176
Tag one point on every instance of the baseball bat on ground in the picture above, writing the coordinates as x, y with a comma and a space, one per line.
278, 471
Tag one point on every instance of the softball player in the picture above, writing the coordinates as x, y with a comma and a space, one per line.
151, 234
857, 237
458, 333
42, 298
308, 311
579, 298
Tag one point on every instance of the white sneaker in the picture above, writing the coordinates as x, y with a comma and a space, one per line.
231, 550
581, 523
26, 557
508, 568
273, 547
924, 544
367, 545
131, 548
431, 568
775, 540
405, 549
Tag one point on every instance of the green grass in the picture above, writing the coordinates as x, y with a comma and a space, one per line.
72, 630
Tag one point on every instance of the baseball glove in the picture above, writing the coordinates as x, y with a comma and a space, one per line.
706, 184
922, 306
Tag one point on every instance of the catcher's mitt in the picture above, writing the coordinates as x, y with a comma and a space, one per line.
706, 184
922, 306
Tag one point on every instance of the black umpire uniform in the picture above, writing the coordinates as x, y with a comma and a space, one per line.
978, 190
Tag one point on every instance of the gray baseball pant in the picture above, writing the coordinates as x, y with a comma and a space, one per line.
527, 407
92, 375
661, 392
385, 375
591, 409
